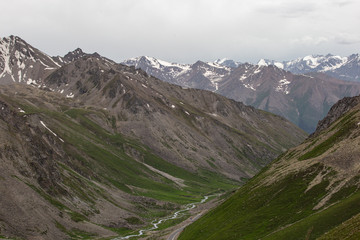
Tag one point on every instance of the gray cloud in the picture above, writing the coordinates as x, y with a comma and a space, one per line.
186, 30
348, 39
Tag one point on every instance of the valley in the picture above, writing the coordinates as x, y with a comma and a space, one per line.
104, 149
180, 120
93, 149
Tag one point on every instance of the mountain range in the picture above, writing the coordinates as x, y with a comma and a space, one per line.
94, 149
309, 192
345, 68
303, 97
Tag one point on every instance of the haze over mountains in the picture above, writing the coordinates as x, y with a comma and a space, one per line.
102, 148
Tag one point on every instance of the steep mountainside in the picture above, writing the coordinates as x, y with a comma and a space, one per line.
310, 192
181, 125
22, 63
345, 68
302, 99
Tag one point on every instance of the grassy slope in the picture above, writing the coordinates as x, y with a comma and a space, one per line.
284, 209
103, 156
105, 152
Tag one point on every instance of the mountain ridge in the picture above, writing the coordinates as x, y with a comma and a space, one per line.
272, 91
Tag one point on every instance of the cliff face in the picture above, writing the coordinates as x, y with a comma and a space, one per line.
336, 111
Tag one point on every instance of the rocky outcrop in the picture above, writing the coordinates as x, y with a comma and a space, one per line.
336, 111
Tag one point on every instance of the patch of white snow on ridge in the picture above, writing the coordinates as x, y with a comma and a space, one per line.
243, 77
279, 65
262, 62
283, 86
42, 123
257, 70
71, 95
341, 62
311, 61
250, 86
166, 64
5, 50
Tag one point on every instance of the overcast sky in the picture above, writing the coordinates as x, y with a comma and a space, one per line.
186, 30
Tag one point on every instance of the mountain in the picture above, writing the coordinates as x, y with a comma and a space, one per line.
345, 68
302, 99
310, 192
227, 63
199, 75
146, 106
98, 149
22, 63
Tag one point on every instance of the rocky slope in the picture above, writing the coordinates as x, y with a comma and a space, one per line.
22, 63
309, 192
179, 124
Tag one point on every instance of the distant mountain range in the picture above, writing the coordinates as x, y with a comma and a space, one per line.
345, 68
304, 98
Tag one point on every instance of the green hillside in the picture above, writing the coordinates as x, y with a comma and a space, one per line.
308, 191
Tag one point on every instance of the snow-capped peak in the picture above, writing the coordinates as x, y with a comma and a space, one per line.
266, 62
225, 62
262, 62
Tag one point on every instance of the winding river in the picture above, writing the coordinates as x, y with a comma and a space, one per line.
155, 224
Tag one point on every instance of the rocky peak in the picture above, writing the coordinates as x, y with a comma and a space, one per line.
336, 111
74, 55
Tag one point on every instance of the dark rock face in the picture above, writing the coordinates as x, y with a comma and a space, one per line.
336, 111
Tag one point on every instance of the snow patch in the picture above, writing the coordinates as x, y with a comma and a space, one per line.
279, 65
262, 62
250, 86
42, 123
243, 77
71, 95
31, 82
283, 86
